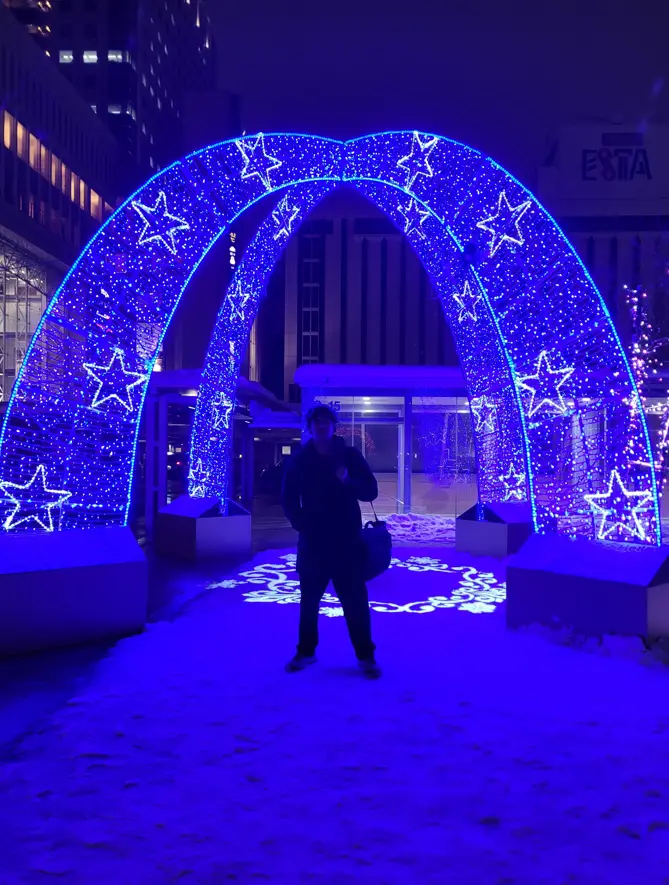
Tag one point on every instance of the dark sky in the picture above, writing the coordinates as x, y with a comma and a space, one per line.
501, 76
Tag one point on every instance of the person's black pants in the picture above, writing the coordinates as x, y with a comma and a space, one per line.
351, 589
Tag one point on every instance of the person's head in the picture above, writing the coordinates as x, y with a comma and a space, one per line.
321, 423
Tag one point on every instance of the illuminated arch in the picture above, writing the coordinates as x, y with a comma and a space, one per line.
540, 354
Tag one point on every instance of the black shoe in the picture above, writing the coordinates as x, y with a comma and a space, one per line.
370, 669
300, 662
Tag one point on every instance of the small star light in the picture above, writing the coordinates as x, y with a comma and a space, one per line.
514, 484
467, 301
484, 412
619, 509
414, 216
417, 162
545, 387
159, 225
33, 501
197, 478
223, 408
114, 381
239, 298
284, 217
257, 161
507, 217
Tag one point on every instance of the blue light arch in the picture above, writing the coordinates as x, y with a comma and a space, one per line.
545, 369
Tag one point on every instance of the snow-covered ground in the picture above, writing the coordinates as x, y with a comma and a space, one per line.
480, 756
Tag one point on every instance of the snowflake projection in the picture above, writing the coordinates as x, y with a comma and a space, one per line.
473, 591
544, 347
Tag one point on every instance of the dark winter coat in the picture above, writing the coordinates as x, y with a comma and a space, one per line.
322, 508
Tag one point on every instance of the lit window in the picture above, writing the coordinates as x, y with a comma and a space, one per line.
90, 57
31, 207
115, 109
9, 131
34, 152
152, 90
96, 205
94, 108
144, 79
83, 193
65, 179
44, 161
65, 56
115, 55
108, 209
144, 128
160, 105
74, 187
151, 163
55, 171
165, 48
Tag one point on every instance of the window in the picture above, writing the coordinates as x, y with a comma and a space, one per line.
96, 205
160, 104
21, 141
9, 131
115, 109
94, 108
42, 212
55, 171
65, 179
44, 162
34, 152
31, 207
74, 187
65, 56
117, 55
90, 56
83, 193
144, 79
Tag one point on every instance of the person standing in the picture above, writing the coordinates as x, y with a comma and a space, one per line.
323, 484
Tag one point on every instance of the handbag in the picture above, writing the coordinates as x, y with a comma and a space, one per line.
378, 547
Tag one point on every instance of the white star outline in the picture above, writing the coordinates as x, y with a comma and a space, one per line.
146, 213
479, 405
630, 523
223, 408
60, 497
250, 161
198, 478
93, 371
284, 216
414, 217
467, 301
504, 208
543, 371
425, 148
238, 298
514, 484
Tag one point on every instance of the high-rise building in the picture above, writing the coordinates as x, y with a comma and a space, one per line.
133, 61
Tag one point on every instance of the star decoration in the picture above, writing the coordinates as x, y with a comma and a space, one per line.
418, 161
414, 216
35, 499
257, 161
514, 484
484, 412
545, 387
467, 301
619, 509
223, 409
284, 217
159, 225
197, 478
239, 299
507, 218
114, 382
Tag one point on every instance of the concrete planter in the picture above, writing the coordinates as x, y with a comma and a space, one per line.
194, 529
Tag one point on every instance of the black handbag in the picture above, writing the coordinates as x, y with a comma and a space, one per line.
378, 547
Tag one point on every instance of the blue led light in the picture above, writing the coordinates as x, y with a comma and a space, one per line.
552, 394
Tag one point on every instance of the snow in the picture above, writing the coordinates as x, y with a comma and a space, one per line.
481, 756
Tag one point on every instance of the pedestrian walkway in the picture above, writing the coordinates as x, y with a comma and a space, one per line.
480, 757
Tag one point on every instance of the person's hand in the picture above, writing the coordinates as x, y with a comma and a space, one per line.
342, 474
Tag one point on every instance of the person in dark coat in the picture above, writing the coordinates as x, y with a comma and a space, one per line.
322, 486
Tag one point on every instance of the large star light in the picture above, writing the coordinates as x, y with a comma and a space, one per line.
545, 387
284, 217
514, 484
159, 225
505, 224
239, 299
198, 477
418, 161
33, 501
115, 382
467, 301
484, 413
414, 216
223, 409
257, 161
619, 510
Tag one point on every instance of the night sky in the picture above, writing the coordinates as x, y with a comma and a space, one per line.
501, 76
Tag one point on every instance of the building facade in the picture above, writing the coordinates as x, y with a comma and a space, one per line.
133, 61
58, 182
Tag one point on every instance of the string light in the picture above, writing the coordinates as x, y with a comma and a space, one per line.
530, 294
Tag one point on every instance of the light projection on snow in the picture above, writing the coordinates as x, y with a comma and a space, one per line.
543, 364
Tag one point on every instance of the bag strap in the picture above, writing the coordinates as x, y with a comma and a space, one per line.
376, 518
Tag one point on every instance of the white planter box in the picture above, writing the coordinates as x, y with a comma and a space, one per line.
193, 529
65, 588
